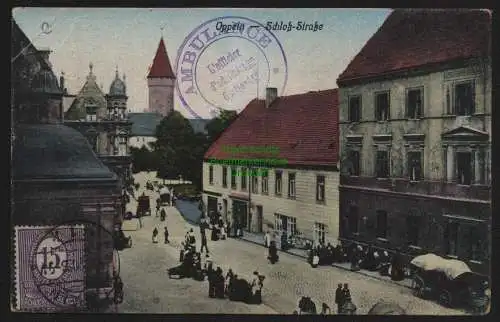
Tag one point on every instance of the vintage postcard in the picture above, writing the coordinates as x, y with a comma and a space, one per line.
251, 161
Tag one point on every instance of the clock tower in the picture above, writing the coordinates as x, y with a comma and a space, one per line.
161, 83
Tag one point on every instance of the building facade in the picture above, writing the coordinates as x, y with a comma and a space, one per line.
415, 137
56, 180
297, 192
103, 119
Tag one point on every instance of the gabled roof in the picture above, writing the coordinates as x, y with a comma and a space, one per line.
413, 38
303, 127
161, 64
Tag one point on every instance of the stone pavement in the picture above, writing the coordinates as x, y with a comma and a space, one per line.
190, 212
259, 240
287, 280
147, 288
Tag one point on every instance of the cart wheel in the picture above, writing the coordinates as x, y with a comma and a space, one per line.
418, 287
445, 298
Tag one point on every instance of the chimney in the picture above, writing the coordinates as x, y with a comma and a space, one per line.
271, 95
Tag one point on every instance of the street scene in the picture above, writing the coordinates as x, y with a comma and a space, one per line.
239, 161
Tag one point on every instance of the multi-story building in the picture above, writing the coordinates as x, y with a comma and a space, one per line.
298, 194
415, 135
103, 119
56, 181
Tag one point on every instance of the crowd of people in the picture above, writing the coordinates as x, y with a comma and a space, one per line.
219, 286
359, 257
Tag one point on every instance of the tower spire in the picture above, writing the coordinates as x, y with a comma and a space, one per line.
91, 66
116, 72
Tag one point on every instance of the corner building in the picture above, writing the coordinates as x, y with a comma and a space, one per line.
415, 136
299, 198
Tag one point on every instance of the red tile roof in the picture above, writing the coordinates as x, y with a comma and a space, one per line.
161, 64
416, 37
302, 128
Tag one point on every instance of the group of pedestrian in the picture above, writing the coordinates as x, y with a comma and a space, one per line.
154, 237
233, 287
326, 254
343, 300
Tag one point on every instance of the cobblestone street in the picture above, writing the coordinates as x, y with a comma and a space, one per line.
148, 289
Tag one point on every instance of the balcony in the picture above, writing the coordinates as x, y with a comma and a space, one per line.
431, 188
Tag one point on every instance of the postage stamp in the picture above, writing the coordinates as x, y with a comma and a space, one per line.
50, 267
226, 62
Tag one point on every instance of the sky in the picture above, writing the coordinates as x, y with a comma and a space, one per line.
229, 71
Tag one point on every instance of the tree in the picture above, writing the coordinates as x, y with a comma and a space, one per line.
218, 124
142, 159
177, 148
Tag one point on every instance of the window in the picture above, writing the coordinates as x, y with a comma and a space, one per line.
353, 220
320, 188
464, 168
233, 178
265, 182
285, 224
382, 164
414, 103
255, 183
473, 243
91, 113
451, 238
415, 166
123, 146
211, 174
382, 106
412, 229
292, 226
355, 109
319, 233
277, 183
354, 168
243, 178
224, 177
278, 222
291, 185
381, 224
464, 98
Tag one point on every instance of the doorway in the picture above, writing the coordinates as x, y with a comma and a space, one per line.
224, 203
260, 219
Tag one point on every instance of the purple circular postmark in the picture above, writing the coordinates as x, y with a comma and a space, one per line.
226, 62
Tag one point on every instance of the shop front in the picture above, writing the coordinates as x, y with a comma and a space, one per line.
240, 214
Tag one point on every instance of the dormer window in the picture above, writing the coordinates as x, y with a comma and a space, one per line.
91, 113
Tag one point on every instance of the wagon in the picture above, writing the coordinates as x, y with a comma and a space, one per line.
143, 206
164, 196
449, 281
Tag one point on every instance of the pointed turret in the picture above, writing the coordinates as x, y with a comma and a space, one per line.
161, 67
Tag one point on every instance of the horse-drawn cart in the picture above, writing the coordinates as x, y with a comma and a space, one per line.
450, 281
143, 206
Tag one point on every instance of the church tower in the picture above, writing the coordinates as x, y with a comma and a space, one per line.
161, 83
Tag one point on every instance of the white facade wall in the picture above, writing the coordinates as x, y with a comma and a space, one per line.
140, 141
304, 207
